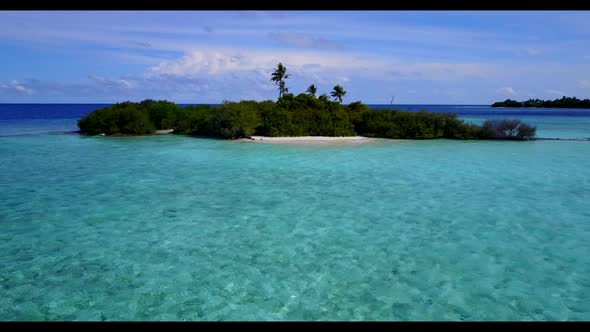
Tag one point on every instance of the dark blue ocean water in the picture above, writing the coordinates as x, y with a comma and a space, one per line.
26, 119
77, 111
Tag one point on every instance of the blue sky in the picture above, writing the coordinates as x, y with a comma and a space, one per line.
420, 57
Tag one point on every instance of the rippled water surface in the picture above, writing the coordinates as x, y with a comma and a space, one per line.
180, 228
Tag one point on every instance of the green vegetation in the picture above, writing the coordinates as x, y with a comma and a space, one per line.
312, 90
338, 93
507, 129
290, 115
120, 119
301, 115
279, 76
564, 102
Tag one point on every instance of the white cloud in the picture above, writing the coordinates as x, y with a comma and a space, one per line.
342, 80
311, 64
507, 90
210, 62
110, 83
16, 86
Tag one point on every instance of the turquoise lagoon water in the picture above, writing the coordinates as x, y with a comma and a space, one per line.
180, 228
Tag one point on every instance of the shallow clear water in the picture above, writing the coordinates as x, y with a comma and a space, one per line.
178, 228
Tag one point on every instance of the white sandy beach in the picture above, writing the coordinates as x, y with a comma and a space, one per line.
164, 131
311, 139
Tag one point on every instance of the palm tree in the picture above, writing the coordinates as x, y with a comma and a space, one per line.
282, 88
279, 76
338, 93
312, 90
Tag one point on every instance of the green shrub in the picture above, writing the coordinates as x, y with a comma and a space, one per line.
120, 119
507, 129
194, 120
235, 120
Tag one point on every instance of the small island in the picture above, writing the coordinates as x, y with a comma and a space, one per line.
564, 102
291, 115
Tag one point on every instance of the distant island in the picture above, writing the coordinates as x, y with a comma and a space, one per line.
290, 116
564, 102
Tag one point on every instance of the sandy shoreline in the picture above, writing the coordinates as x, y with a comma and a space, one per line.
310, 139
164, 131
